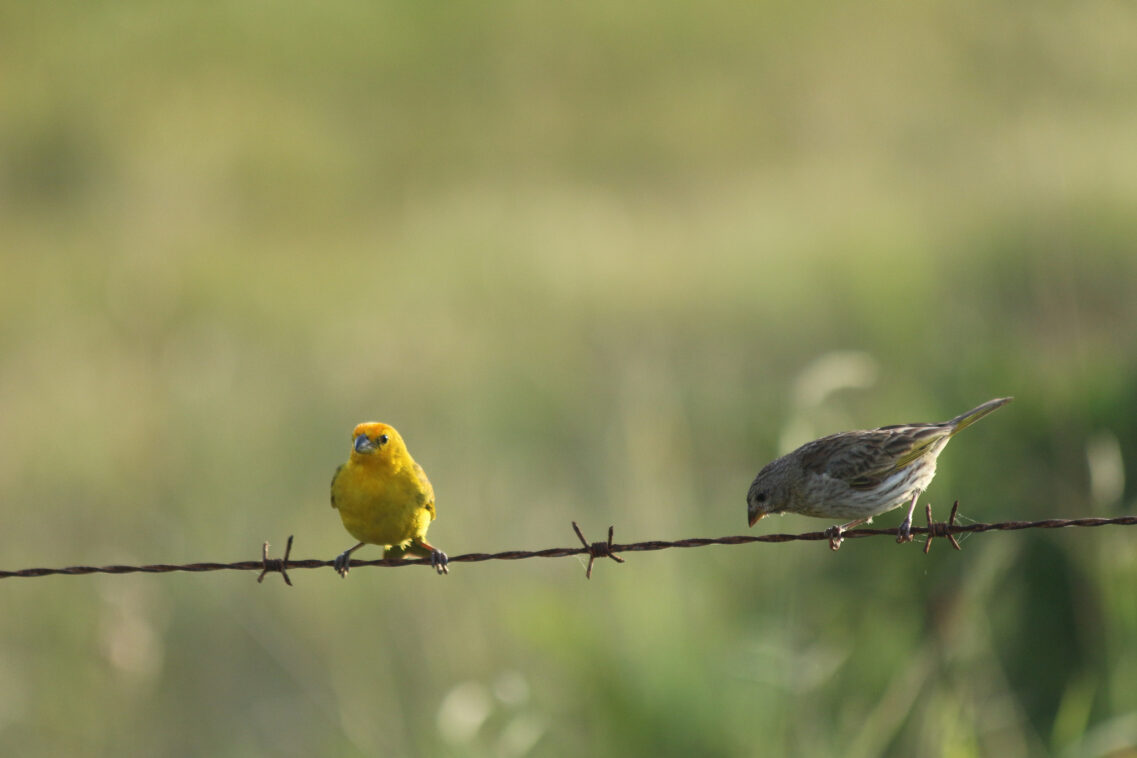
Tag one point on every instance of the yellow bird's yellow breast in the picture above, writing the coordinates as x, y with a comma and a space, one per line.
383, 507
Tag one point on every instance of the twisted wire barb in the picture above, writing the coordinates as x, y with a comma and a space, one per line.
594, 550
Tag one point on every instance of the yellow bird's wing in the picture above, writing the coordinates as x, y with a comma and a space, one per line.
335, 476
426, 490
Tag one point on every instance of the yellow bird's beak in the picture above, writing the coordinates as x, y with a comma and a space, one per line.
363, 444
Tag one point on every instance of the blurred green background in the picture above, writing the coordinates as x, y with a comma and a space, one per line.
597, 262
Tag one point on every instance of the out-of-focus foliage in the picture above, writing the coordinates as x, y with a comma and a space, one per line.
597, 261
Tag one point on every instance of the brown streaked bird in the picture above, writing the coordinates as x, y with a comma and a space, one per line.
857, 475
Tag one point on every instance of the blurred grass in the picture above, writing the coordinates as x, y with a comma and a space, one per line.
596, 262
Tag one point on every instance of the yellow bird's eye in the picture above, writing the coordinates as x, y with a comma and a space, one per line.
382, 439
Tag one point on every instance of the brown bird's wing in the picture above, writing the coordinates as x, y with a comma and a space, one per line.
865, 459
335, 476
427, 490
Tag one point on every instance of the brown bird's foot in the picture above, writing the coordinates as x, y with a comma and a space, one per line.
439, 561
834, 534
904, 531
343, 560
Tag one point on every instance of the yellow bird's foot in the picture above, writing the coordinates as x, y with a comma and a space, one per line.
439, 561
343, 560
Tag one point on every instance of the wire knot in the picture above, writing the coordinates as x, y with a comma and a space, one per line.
941, 528
596, 549
275, 564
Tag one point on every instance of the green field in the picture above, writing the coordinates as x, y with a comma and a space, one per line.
597, 262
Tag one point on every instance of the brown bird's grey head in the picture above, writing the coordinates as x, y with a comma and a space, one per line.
772, 489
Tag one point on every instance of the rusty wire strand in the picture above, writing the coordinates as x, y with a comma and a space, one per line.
594, 550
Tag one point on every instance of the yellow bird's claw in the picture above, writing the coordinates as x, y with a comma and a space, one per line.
343, 560
440, 562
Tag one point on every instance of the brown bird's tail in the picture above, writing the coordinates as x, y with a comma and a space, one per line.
965, 420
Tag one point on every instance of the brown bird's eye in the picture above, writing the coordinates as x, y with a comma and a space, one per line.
760, 497
382, 439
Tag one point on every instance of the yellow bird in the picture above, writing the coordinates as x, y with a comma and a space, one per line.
384, 498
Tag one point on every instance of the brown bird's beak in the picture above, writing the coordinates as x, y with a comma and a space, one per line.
754, 516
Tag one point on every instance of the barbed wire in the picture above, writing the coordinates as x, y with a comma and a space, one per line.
604, 549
